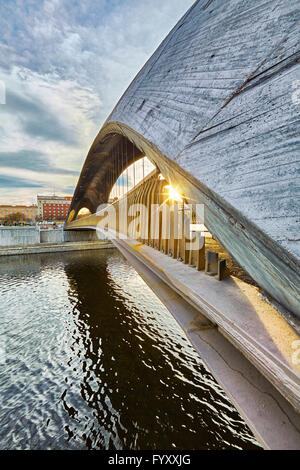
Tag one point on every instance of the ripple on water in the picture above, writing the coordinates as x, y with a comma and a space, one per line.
93, 360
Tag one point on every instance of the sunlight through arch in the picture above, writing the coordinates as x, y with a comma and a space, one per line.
130, 177
84, 212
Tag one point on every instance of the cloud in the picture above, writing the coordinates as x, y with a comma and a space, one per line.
32, 160
36, 119
52, 180
65, 65
70, 190
11, 182
46, 126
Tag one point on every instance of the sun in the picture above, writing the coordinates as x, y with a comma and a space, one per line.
173, 194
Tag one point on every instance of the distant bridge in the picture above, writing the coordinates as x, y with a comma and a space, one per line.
213, 110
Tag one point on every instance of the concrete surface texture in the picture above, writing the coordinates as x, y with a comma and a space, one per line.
51, 236
13, 236
217, 98
22, 236
214, 108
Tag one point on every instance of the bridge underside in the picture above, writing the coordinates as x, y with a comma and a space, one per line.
107, 160
117, 146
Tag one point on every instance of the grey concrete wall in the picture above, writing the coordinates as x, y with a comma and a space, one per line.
19, 236
60, 236
81, 235
51, 236
13, 236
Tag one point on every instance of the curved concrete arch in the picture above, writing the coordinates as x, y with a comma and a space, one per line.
213, 110
258, 254
102, 168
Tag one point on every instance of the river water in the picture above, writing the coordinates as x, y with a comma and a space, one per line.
91, 359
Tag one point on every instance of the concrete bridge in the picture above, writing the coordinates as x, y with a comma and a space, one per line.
214, 229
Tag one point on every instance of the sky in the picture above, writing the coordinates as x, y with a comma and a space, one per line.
64, 64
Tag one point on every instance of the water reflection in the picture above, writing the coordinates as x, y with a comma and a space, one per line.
93, 360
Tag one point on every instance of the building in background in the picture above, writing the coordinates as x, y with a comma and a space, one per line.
29, 213
53, 207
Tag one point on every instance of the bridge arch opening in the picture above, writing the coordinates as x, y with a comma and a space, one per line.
221, 218
114, 165
130, 177
116, 149
84, 212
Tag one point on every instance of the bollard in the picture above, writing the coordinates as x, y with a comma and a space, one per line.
211, 263
222, 270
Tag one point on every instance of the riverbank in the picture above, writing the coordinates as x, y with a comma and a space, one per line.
55, 247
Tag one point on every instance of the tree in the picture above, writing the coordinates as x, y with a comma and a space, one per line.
17, 217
